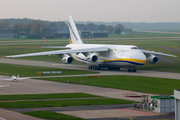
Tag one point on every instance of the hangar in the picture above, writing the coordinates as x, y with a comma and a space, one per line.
8, 34
92, 34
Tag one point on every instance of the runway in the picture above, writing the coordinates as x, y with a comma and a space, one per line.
31, 86
84, 67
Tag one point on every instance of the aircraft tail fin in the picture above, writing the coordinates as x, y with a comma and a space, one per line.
74, 35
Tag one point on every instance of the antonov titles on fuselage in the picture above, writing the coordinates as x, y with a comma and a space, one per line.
99, 56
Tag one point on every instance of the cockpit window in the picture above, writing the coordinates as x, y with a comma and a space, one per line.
134, 48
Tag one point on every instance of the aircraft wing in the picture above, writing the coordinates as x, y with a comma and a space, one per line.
7, 79
4, 85
54, 47
95, 49
24, 78
156, 53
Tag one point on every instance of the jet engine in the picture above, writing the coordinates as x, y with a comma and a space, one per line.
91, 58
67, 59
153, 59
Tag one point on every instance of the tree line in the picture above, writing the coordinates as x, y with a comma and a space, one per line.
38, 28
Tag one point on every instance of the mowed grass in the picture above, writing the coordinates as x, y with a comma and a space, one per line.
59, 103
46, 96
139, 35
160, 86
51, 115
22, 70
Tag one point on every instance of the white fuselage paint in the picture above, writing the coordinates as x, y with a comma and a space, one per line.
117, 55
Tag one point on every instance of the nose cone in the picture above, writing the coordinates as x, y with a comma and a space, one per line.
138, 57
137, 54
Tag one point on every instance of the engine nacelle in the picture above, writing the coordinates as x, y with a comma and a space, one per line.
91, 58
67, 59
153, 59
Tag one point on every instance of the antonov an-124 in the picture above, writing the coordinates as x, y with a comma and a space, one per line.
99, 56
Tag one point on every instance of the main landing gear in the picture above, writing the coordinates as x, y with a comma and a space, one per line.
132, 70
91, 67
113, 68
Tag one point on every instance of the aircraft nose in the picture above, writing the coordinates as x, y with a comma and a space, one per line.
139, 55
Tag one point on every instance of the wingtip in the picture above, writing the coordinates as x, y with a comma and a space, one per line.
39, 46
4, 56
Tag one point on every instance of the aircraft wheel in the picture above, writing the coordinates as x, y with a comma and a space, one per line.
95, 67
99, 68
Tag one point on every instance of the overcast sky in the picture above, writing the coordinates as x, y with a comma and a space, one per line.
93, 10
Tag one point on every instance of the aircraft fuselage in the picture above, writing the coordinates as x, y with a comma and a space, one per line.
125, 56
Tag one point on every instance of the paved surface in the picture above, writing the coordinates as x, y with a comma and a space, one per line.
157, 32
83, 67
31, 86
102, 112
118, 113
11, 115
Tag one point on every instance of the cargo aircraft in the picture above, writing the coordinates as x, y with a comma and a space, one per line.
99, 56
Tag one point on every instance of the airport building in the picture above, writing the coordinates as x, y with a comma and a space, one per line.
92, 34
84, 32
8, 34
163, 104
127, 31
177, 104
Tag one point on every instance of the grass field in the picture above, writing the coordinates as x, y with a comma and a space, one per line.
46, 96
51, 115
162, 30
59, 103
135, 83
22, 70
139, 35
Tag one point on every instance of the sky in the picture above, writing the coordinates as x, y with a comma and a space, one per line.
93, 10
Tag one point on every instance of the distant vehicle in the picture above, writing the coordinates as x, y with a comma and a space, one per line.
44, 38
14, 78
99, 56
